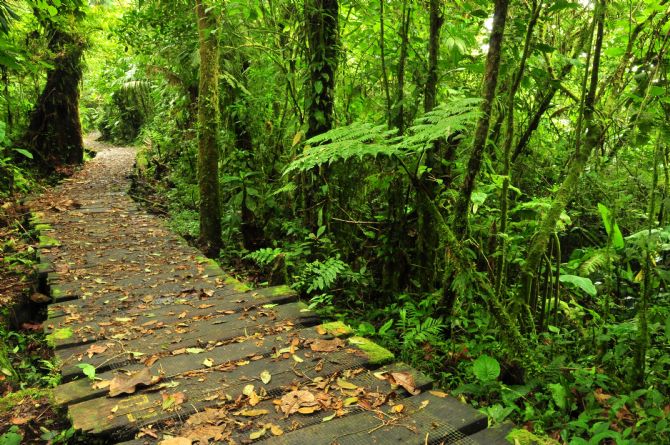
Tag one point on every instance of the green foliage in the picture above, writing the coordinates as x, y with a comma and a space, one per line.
486, 368
360, 140
11, 437
585, 284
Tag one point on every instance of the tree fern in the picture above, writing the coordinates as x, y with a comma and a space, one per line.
361, 139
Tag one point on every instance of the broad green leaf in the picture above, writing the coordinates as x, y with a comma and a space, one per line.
559, 394
486, 368
88, 370
585, 284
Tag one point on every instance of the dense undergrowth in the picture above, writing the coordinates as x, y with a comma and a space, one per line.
482, 187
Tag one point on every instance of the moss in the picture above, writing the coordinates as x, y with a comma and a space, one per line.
44, 268
524, 437
376, 354
13, 399
59, 334
47, 241
281, 290
235, 284
41, 227
337, 329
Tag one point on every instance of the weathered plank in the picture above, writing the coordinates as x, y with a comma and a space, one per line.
169, 365
369, 389
108, 416
425, 419
84, 311
167, 339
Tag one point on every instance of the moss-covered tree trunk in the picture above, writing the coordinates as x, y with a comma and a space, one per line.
54, 133
321, 22
207, 128
489, 85
592, 137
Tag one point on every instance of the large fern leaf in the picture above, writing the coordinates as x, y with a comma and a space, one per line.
361, 139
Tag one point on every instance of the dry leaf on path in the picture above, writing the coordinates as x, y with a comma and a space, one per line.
127, 384
95, 349
406, 380
294, 400
320, 345
266, 377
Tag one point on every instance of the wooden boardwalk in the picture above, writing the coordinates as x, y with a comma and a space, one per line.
183, 353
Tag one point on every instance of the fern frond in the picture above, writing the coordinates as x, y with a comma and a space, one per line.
343, 143
442, 122
361, 139
596, 260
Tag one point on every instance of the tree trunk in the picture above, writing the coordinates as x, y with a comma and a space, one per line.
322, 35
488, 92
54, 133
507, 148
207, 128
427, 237
399, 116
583, 151
321, 20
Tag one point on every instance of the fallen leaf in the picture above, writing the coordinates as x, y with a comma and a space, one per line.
266, 377
350, 401
406, 380
345, 385
276, 430
398, 408
320, 345
95, 349
257, 434
20, 420
291, 402
208, 362
308, 409
194, 350
171, 401
126, 384
247, 390
439, 394
321, 330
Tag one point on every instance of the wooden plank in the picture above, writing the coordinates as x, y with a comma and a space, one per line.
80, 312
167, 339
172, 365
117, 323
425, 419
120, 417
369, 388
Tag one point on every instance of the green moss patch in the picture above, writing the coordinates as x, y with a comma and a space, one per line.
376, 354
525, 437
